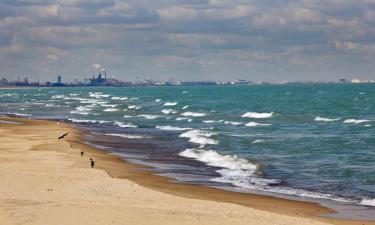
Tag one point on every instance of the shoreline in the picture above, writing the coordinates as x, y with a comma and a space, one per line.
116, 167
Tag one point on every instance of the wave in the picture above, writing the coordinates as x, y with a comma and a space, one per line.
125, 125
82, 110
255, 124
128, 136
234, 123
367, 201
257, 115
98, 95
119, 98
57, 96
157, 100
22, 114
168, 111
184, 118
170, 103
193, 114
258, 141
185, 107
213, 121
134, 107
87, 121
149, 117
355, 121
200, 137
111, 110
235, 170
172, 128
322, 119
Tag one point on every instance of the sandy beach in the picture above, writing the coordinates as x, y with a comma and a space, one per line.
45, 180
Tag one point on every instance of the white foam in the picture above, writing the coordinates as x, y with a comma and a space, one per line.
168, 111
213, 121
157, 100
82, 110
111, 110
257, 115
367, 201
213, 158
234, 123
255, 124
57, 96
98, 95
322, 119
134, 107
23, 114
184, 118
173, 128
170, 103
149, 117
119, 98
193, 114
185, 107
87, 121
355, 121
128, 136
258, 141
125, 125
201, 137
185, 92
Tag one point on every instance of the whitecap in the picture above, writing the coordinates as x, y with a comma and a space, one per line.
367, 201
322, 119
355, 121
257, 115
234, 123
185, 107
170, 128
157, 100
119, 98
128, 136
125, 125
149, 117
87, 121
168, 111
193, 114
170, 103
82, 110
255, 124
111, 110
201, 137
258, 141
184, 118
98, 95
134, 107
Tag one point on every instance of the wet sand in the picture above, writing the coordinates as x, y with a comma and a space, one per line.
44, 180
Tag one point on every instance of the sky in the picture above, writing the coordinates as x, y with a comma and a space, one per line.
259, 40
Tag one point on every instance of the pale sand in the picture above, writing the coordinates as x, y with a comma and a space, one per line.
45, 181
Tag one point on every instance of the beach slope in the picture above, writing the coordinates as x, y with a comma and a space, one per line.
45, 180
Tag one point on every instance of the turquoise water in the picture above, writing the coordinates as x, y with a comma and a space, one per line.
314, 141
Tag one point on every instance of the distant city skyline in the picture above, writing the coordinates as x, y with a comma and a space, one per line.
219, 40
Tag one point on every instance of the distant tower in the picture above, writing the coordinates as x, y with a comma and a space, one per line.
59, 80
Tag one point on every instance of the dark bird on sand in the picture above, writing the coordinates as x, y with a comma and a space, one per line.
64, 135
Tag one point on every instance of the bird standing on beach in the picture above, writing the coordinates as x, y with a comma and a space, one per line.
92, 163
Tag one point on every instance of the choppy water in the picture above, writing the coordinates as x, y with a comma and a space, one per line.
314, 141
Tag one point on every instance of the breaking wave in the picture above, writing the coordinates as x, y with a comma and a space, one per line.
193, 114
257, 115
201, 137
322, 119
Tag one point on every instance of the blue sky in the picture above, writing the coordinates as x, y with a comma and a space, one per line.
260, 40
